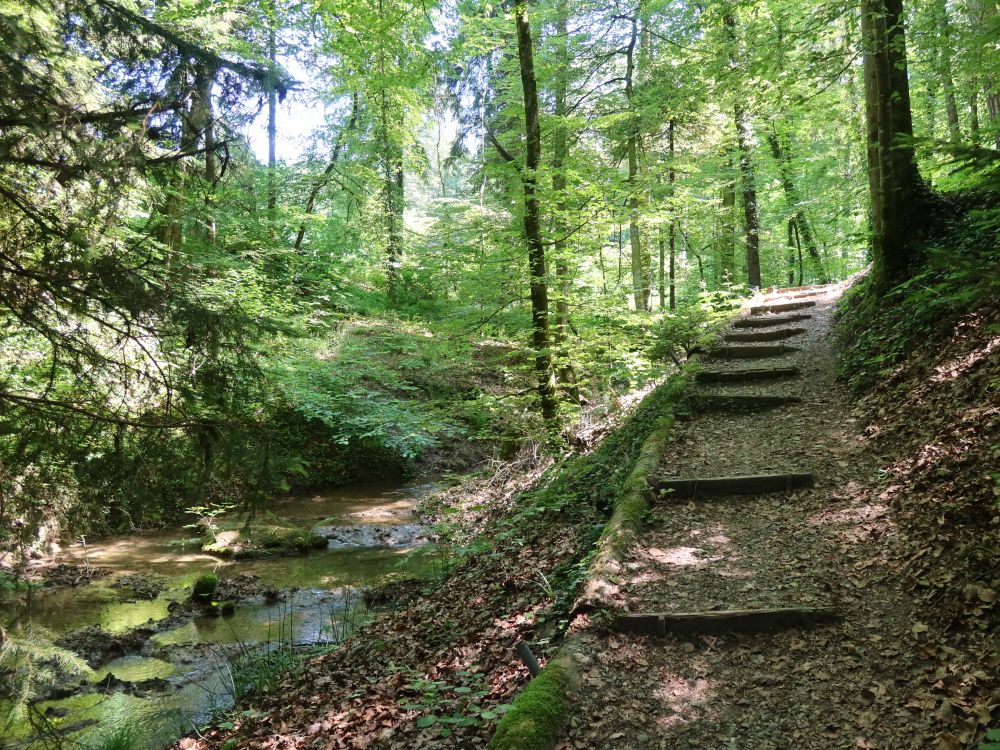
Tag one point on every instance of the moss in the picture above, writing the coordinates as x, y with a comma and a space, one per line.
539, 714
263, 539
595, 481
204, 587
227, 608
633, 501
287, 538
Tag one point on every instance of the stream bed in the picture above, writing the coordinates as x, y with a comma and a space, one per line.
175, 670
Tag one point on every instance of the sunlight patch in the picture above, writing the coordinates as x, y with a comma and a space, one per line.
682, 697
680, 557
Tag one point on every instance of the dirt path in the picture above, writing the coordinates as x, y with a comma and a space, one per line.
844, 685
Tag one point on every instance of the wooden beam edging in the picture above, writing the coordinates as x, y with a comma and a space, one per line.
622, 529
540, 711
723, 621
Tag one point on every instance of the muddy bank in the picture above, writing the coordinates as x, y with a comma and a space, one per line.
123, 604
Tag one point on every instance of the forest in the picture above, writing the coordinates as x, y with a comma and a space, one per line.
263, 261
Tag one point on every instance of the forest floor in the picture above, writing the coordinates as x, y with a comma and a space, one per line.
895, 672
912, 662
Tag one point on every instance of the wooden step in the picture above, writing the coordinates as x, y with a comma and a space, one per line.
795, 296
777, 320
739, 485
800, 289
752, 352
780, 307
775, 335
713, 622
745, 376
741, 402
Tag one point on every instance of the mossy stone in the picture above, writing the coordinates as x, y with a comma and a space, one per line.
204, 588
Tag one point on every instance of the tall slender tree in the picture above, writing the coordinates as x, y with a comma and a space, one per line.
532, 219
899, 196
640, 271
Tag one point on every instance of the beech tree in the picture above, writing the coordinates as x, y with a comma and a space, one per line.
899, 199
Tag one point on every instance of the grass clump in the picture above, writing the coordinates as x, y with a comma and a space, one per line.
256, 671
121, 736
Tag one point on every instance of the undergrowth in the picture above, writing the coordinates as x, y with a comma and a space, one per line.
959, 275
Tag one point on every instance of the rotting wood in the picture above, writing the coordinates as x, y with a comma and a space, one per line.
752, 352
722, 621
774, 335
781, 307
736, 485
744, 376
777, 320
744, 402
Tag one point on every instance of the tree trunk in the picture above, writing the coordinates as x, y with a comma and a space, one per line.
899, 196
974, 114
662, 286
944, 60
791, 252
748, 179
783, 157
532, 220
393, 196
854, 133
672, 179
798, 248
169, 229
727, 243
640, 284
203, 117
560, 151
982, 13
272, 126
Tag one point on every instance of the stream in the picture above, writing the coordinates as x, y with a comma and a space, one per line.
175, 676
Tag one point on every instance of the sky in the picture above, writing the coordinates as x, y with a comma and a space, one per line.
299, 116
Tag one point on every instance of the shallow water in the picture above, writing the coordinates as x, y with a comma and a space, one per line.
191, 657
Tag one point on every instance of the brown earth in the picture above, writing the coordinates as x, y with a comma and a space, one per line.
911, 664
902, 669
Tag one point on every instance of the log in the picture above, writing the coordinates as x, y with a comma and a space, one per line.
722, 621
769, 322
780, 307
752, 352
775, 335
741, 402
743, 376
737, 485
795, 296
774, 290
